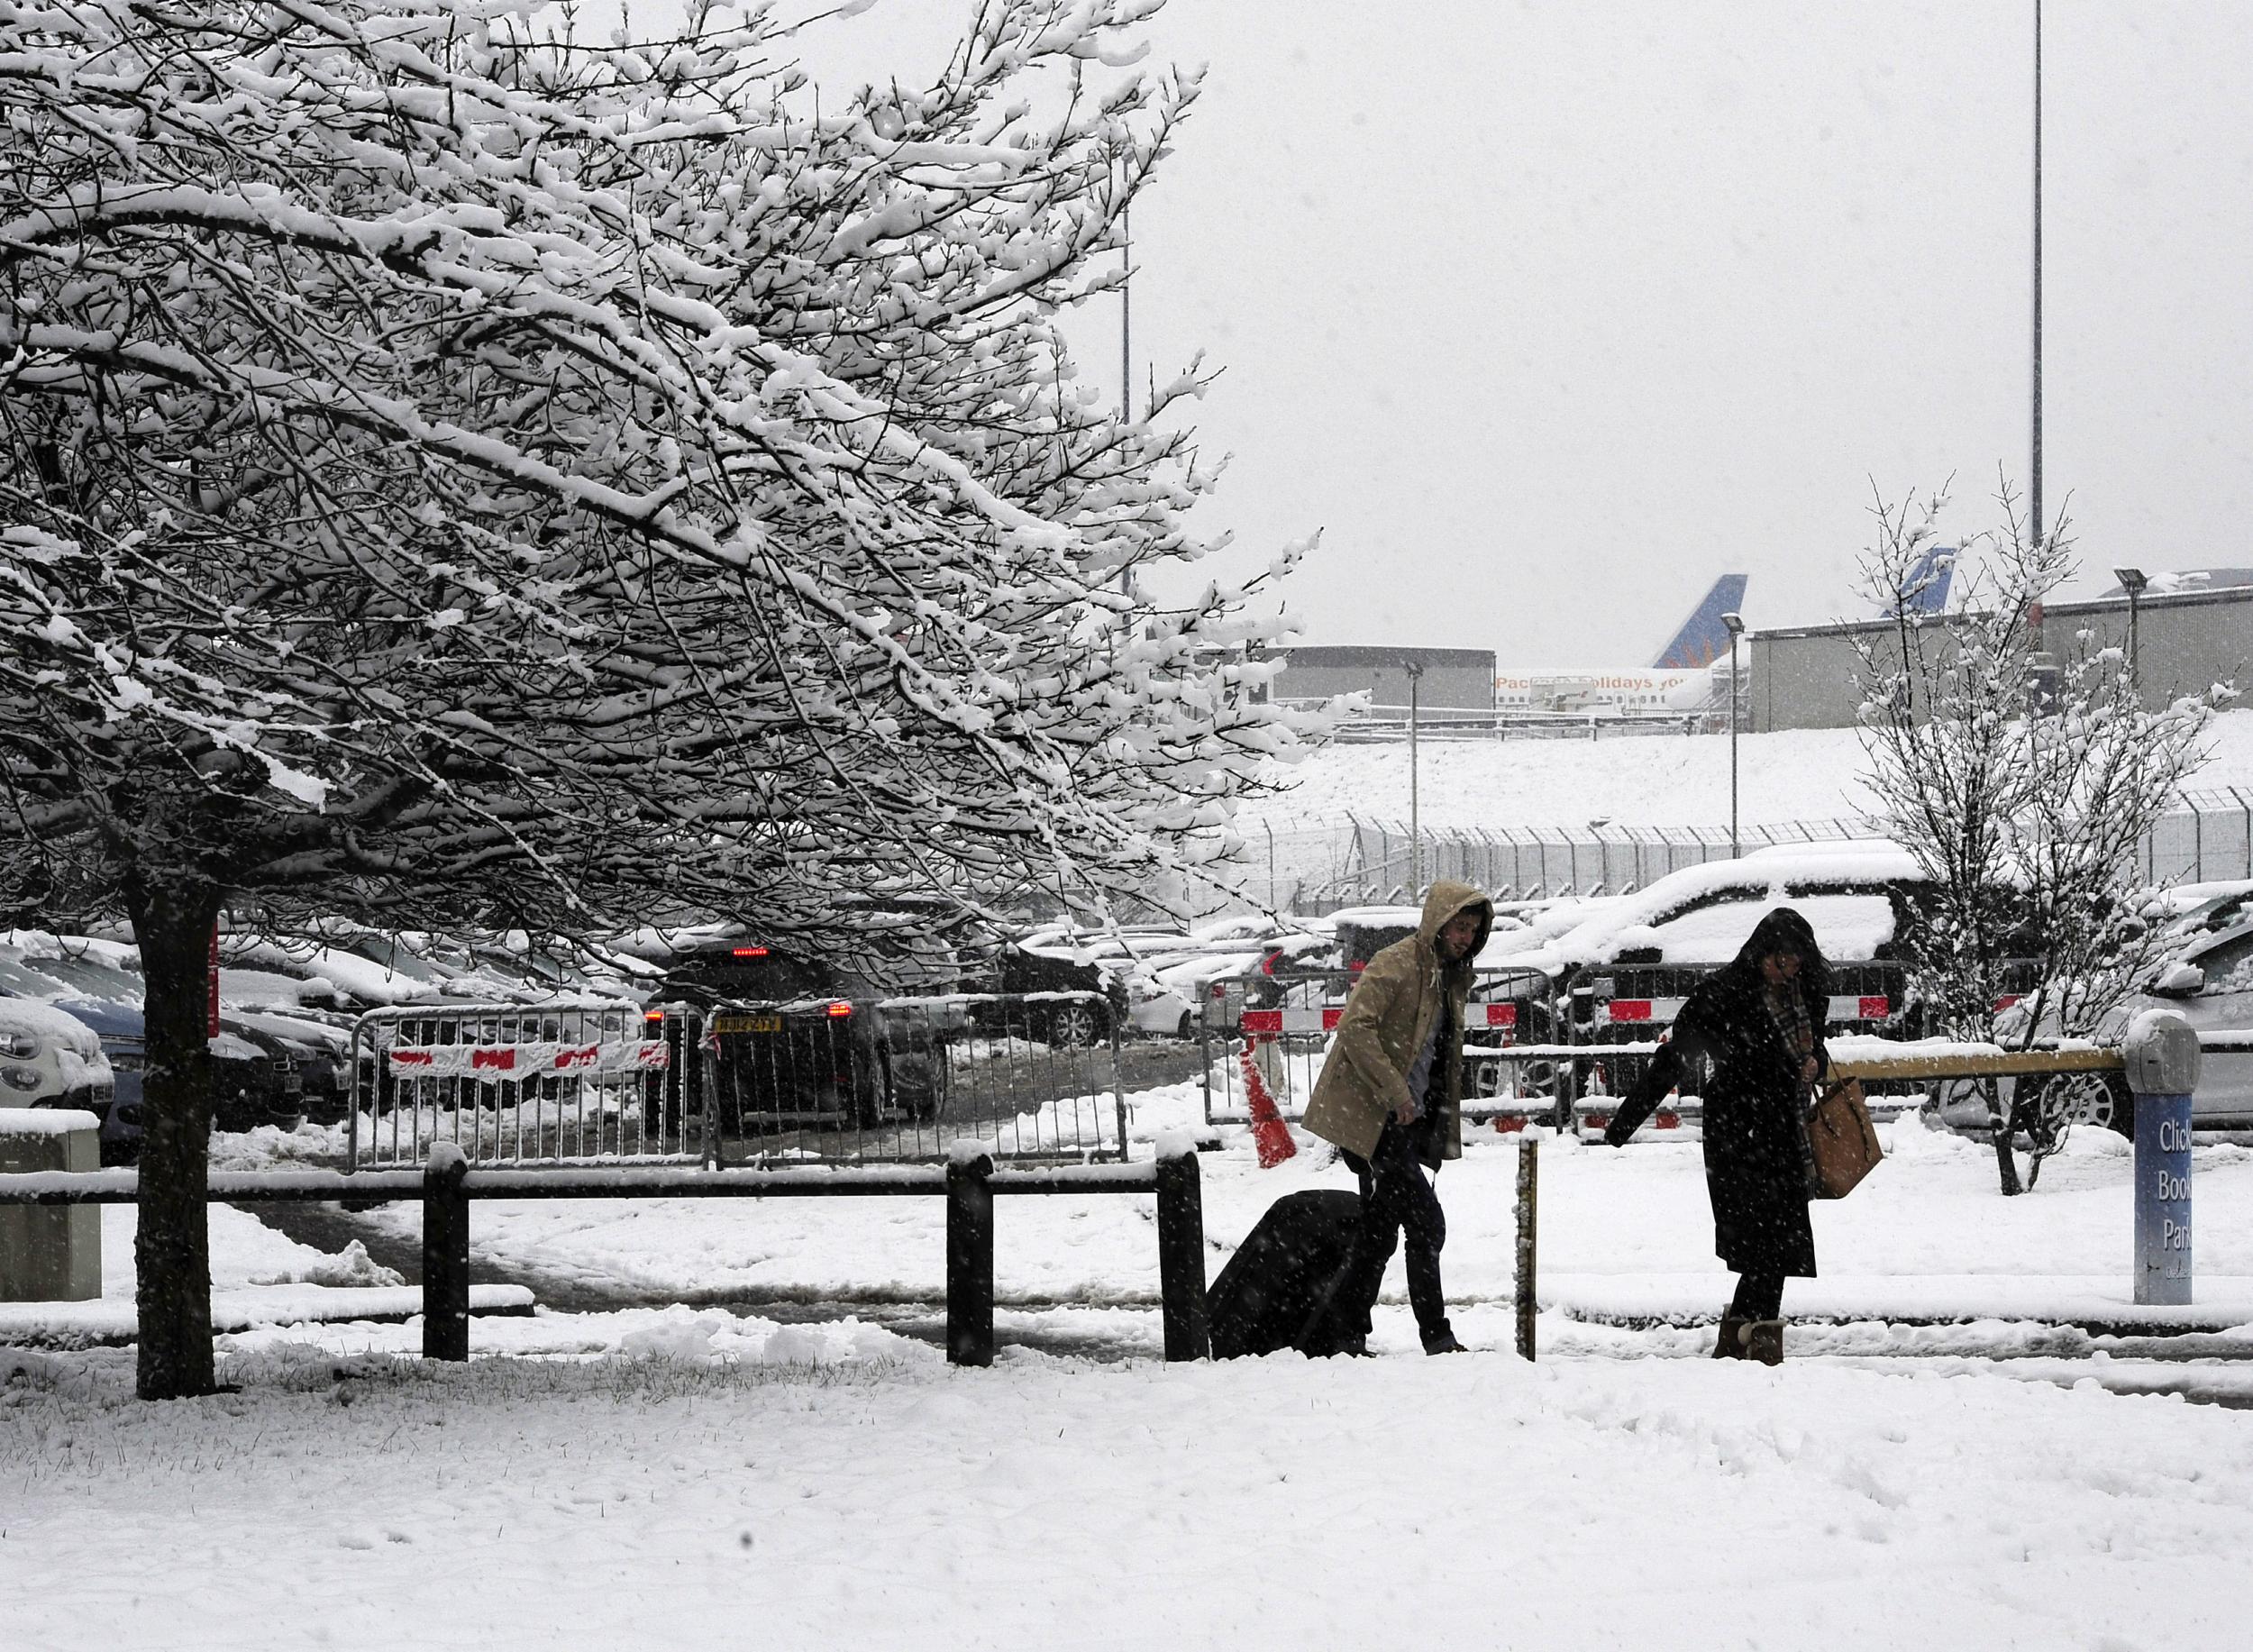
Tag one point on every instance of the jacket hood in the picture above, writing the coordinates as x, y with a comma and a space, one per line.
1443, 901
1786, 930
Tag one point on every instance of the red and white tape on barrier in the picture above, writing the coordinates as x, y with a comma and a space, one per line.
520, 1060
1637, 1010
1269, 1023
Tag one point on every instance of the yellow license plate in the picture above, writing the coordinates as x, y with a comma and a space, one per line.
747, 1024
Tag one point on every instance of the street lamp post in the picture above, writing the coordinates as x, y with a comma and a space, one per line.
1736, 624
1415, 670
2133, 580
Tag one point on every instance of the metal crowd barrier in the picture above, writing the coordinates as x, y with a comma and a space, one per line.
1535, 1048
1027, 1076
1264, 1037
588, 1083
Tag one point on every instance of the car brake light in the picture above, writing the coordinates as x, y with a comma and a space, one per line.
1267, 964
749, 951
652, 1016
841, 1009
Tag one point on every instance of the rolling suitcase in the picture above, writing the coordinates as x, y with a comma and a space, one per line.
1291, 1284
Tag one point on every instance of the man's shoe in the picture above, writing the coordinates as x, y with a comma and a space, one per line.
1445, 1343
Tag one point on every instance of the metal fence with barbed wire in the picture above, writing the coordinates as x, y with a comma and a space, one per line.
1314, 867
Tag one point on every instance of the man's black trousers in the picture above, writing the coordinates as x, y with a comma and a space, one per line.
1398, 1198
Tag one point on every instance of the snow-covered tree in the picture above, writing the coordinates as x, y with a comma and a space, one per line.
455, 476
2019, 767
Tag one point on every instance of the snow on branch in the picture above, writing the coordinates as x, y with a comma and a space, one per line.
458, 467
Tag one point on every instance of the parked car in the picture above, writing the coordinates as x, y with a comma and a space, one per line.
800, 1039
321, 1050
1622, 969
2209, 981
50, 1058
1021, 967
255, 1080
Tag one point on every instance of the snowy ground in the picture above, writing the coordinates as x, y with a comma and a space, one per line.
1977, 1440
674, 1475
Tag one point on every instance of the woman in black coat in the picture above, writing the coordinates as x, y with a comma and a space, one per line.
1760, 1022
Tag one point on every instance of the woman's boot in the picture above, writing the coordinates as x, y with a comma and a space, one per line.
1731, 1345
1764, 1341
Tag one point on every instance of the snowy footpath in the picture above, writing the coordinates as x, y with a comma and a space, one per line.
1957, 1456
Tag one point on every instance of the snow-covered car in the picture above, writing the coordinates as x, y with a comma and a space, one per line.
1624, 966
1157, 1010
321, 1051
2209, 981
50, 1058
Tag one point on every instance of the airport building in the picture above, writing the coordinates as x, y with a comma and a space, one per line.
1452, 679
2186, 641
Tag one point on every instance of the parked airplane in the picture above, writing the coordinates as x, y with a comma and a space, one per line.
1683, 679
1924, 589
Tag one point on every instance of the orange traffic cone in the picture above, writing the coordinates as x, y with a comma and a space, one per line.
1269, 1133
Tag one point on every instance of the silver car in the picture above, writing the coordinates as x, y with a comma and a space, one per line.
2210, 983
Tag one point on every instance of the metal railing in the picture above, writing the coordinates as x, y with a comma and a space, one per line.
1025, 1076
969, 1182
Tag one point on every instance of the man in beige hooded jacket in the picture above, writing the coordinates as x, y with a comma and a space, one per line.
1391, 1099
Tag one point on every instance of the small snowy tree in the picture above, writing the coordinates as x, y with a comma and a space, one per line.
460, 477
2022, 771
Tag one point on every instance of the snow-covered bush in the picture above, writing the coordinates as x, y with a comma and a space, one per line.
2019, 767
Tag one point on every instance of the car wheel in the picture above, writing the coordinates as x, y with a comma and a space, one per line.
2100, 1099
1483, 1077
936, 1089
870, 1093
1073, 1024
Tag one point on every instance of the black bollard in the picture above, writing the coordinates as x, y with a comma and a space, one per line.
445, 1254
1182, 1257
969, 1262
1528, 1229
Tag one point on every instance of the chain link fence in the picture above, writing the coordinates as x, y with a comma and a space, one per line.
1314, 868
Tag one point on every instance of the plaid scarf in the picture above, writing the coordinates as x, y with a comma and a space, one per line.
1788, 1008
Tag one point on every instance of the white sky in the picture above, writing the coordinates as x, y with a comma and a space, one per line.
1547, 313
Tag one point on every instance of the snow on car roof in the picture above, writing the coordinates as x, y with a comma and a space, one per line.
1775, 876
1378, 918
1850, 929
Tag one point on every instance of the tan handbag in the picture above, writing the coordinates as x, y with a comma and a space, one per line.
1844, 1144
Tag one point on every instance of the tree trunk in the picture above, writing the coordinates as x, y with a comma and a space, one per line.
172, 921
2003, 1130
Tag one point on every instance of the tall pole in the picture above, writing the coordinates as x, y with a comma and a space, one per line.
2035, 488
1734, 849
1416, 830
1735, 622
2135, 654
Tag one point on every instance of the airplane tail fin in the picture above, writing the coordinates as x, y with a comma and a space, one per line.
1702, 638
1924, 589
